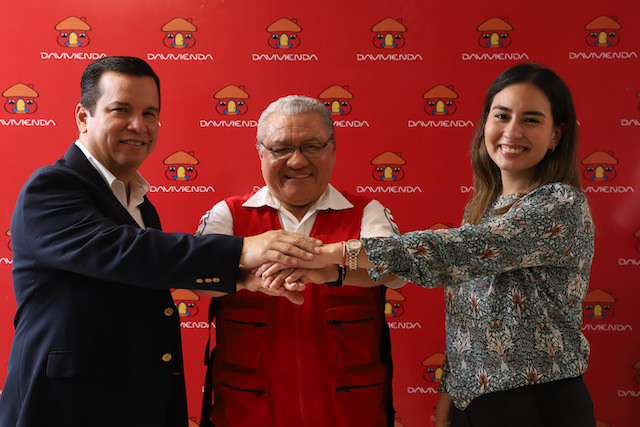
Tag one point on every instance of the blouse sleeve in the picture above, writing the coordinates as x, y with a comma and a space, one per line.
545, 227
377, 221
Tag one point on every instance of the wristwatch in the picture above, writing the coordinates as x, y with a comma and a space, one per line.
342, 272
353, 246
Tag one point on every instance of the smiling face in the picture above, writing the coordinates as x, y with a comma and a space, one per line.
123, 129
518, 133
297, 181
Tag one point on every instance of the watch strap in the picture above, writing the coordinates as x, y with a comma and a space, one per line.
342, 272
352, 259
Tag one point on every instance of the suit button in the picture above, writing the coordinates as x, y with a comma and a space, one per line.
167, 357
216, 280
208, 280
199, 281
168, 311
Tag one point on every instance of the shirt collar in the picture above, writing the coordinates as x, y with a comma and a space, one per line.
138, 186
330, 199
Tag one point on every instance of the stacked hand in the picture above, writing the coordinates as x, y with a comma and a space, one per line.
288, 249
321, 268
283, 262
249, 281
284, 250
276, 275
253, 283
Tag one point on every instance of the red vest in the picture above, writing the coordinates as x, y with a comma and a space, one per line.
324, 363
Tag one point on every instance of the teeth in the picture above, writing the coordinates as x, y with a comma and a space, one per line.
507, 149
298, 176
136, 143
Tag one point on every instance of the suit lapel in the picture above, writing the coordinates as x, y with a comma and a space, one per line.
76, 160
150, 215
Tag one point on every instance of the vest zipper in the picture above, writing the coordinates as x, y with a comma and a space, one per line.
299, 363
340, 322
246, 390
355, 387
254, 324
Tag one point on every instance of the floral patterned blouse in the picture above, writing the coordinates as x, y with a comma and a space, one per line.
513, 288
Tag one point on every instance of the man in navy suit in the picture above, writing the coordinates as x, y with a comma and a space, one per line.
97, 340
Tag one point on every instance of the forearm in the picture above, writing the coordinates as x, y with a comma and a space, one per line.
333, 253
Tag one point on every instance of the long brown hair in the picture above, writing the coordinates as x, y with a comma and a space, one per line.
558, 165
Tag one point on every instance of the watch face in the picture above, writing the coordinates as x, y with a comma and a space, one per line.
354, 245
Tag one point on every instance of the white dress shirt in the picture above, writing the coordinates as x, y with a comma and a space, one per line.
138, 186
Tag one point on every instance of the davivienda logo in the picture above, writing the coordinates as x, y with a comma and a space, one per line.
73, 32
337, 99
20, 99
179, 33
231, 100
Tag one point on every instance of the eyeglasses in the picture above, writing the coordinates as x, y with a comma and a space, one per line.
285, 151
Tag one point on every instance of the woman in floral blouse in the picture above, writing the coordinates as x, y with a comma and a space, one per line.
515, 273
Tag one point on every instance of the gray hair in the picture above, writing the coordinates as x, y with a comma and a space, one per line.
294, 105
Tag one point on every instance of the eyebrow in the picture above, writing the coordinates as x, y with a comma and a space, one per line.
126, 104
311, 140
527, 113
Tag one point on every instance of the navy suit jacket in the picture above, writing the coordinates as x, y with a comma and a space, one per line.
97, 338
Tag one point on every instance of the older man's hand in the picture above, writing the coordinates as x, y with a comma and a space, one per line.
329, 254
288, 249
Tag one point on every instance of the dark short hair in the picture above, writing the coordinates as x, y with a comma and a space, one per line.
90, 89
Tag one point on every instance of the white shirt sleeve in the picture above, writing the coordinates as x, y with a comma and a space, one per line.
377, 221
218, 220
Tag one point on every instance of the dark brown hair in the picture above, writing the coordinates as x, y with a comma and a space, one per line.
558, 165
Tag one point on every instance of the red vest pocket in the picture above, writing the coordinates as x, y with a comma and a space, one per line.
360, 398
243, 400
247, 331
354, 337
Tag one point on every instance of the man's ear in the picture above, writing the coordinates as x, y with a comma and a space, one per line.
82, 115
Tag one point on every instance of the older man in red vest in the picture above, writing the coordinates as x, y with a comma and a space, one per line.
326, 362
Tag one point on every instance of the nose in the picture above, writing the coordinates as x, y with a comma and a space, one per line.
513, 130
297, 160
138, 124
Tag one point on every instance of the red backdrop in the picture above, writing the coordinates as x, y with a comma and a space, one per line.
405, 77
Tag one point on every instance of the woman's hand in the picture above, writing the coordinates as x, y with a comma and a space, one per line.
442, 411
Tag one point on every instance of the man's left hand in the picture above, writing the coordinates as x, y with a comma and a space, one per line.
253, 283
